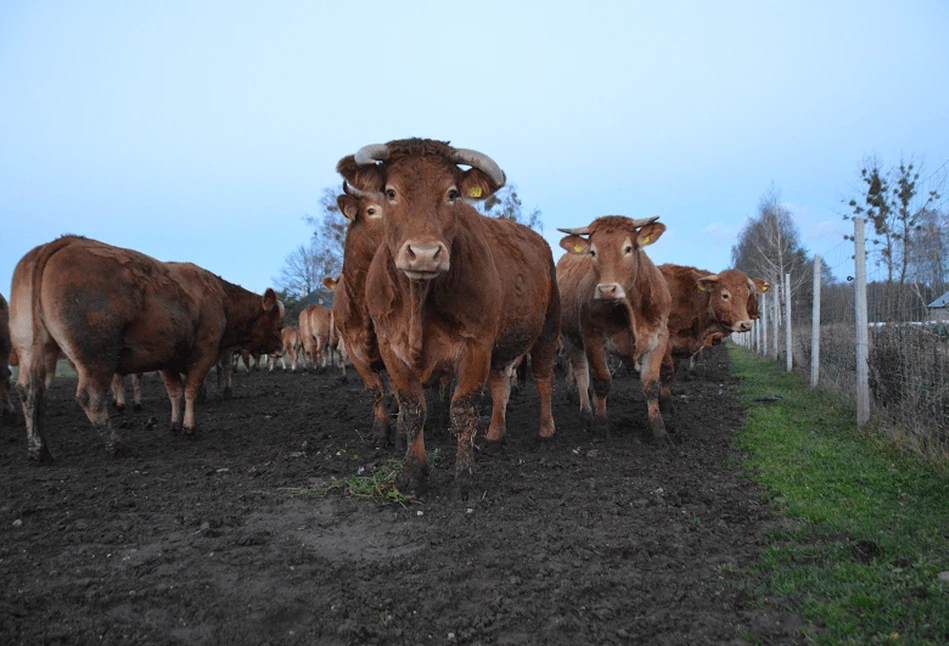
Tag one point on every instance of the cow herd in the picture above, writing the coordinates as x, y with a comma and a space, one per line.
432, 292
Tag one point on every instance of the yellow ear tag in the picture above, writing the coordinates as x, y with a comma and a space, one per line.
646, 240
475, 191
764, 289
577, 248
701, 287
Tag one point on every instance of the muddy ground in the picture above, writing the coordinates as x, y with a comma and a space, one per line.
215, 540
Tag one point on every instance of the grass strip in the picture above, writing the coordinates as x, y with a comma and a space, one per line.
867, 562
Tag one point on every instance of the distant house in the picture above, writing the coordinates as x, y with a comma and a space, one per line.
319, 296
939, 308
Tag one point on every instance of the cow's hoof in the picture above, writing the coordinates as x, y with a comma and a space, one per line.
41, 455
492, 447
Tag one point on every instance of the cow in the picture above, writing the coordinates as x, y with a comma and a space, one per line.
117, 311
703, 305
613, 293
290, 337
364, 211
316, 332
7, 411
452, 292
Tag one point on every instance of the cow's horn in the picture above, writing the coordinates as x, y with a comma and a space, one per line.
352, 191
369, 155
579, 231
482, 162
644, 221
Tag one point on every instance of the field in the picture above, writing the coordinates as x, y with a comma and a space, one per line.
232, 537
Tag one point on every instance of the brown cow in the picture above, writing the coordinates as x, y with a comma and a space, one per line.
114, 310
118, 391
317, 335
350, 310
7, 413
454, 292
291, 345
613, 292
703, 305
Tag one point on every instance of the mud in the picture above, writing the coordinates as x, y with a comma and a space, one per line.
220, 539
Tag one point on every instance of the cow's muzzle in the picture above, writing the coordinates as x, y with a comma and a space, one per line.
609, 292
742, 326
423, 260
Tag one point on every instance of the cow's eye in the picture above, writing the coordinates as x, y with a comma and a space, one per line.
390, 193
593, 253
453, 194
725, 296
371, 211
628, 249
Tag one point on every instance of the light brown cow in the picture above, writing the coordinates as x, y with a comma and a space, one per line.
317, 335
350, 311
7, 413
291, 347
703, 305
612, 292
118, 311
453, 292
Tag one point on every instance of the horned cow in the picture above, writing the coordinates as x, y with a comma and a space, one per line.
117, 311
613, 294
453, 292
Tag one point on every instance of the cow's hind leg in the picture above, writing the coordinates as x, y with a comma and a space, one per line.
91, 393
172, 381
31, 386
137, 391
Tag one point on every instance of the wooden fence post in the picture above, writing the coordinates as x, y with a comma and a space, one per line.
815, 326
787, 322
863, 323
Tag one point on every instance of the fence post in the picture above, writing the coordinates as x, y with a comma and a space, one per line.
863, 332
815, 326
776, 318
787, 321
763, 348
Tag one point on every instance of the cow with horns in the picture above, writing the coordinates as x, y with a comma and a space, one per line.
614, 295
452, 292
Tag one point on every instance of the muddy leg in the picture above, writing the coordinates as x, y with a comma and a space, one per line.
666, 374
500, 381
650, 364
31, 385
137, 391
118, 392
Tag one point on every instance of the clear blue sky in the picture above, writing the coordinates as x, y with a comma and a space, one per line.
205, 131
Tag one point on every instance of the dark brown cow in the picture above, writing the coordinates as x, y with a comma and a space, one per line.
703, 305
117, 311
7, 413
453, 292
612, 292
350, 310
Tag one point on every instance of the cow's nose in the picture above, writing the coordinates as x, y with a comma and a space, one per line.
609, 291
423, 258
744, 326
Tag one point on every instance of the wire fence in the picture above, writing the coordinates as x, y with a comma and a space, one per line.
903, 346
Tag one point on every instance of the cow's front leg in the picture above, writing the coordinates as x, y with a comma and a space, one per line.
651, 365
194, 383
602, 379
500, 381
666, 374
473, 372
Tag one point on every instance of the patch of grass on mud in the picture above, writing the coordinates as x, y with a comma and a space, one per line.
378, 485
868, 559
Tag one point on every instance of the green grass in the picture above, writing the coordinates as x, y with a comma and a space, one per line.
378, 485
63, 369
862, 564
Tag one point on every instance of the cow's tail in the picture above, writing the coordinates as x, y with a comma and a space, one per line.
37, 359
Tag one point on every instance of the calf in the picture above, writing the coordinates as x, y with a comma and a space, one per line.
290, 337
118, 311
452, 292
612, 292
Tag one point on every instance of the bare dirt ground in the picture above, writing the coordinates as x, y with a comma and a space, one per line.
582, 540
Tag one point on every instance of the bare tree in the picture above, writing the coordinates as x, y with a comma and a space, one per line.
507, 204
329, 233
300, 273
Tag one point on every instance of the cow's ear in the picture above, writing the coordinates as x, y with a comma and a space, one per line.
575, 244
270, 299
330, 283
348, 206
761, 285
650, 233
476, 185
706, 282
365, 178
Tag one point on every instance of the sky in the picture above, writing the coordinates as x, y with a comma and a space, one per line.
207, 131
